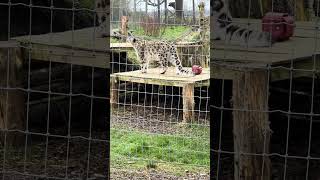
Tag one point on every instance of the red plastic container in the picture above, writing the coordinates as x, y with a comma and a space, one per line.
281, 25
196, 69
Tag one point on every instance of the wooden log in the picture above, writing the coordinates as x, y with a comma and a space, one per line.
113, 92
251, 126
12, 112
188, 102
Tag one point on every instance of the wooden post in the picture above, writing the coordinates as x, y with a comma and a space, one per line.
12, 112
202, 21
188, 103
251, 125
124, 25
114, 92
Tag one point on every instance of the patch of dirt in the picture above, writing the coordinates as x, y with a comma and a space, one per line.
153, 120
56, 158
154, 175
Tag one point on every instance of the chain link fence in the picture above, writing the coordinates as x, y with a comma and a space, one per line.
159, 122
265, 101
54, 109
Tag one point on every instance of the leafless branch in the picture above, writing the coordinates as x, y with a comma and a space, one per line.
154, 4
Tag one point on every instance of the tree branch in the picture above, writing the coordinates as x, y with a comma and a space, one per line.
153, 4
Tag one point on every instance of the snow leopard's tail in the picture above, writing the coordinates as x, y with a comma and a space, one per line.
180, 70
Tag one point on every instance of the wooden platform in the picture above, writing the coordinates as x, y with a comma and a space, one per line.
79, 47
168, 79
251, 71
299, 49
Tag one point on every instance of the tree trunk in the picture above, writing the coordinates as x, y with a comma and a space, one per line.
166, 11
159, 13
193, 12
179, 9
135, 11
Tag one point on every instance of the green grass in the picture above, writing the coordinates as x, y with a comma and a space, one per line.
177, 151
114, 40
170, 33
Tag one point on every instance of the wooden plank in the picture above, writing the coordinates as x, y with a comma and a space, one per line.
301, 68
168, 79
66, 55
281, 52
83, 39
120, 45
9, 44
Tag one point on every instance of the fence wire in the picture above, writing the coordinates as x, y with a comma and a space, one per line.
53, 110
287, 148
149, 136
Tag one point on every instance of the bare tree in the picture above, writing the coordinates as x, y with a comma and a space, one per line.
166, 11
158, 5
159, 2
194, 12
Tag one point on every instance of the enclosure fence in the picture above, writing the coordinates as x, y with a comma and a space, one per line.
265, 101
159, 122
53, 105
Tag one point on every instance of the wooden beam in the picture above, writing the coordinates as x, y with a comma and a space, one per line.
9, 44
114, 92
278, 72
12, 112
302, 68
188, 103
43, 52
251, 126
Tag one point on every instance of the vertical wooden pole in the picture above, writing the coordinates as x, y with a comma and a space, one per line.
12, 112
188, 103
124, 25
201, 20
251, 126
113, 92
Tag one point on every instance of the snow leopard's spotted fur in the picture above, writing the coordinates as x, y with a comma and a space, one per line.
102, 10
225, 29
162, 51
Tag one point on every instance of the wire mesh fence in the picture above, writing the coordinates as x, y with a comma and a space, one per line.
265, 99
53, 91
159, 122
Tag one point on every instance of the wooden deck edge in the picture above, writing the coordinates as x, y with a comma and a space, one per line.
163, 82
60, 54
9, 44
